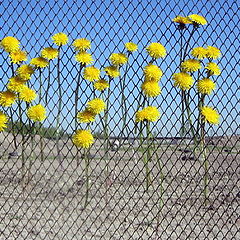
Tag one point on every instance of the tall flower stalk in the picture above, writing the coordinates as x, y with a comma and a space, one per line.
145, 116
59, 39
150, 88
195, 20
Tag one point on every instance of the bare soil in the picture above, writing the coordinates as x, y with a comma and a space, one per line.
51, 205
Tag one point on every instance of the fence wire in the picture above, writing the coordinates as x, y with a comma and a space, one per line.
173, 176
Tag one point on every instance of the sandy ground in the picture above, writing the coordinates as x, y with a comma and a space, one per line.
119, 207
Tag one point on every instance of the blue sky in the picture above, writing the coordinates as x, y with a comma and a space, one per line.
110, 24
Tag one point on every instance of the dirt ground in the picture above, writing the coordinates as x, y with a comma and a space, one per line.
51, 205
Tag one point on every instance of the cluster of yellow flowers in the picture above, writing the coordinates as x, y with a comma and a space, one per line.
184, 79
150, 87
17, 86
191, 19
84, 138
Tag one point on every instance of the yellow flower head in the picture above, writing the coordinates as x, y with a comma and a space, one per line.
49, 53
205, 86
152, 73
7, 98
96, 106
82, 44
27, 94
197, 19
156, 50
84, 58
213, 68
213, 52
182, 20
25, 71
118, 58
39, 62
101, 85
191, 65
150, 114
18, 56
3, 121
83, 138
36, 113
131, 47
182, 80
86, 116
60, 39
10, 44
91, 73
112, 71
15, 84
151, 88
210, 115
199, 52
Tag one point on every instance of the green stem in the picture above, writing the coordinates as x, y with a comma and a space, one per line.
106, 141
189, 118
148, 156
123, 99
59, 111
205, 161
182, 114
188, 42
11, 118
40, 86
48, 83
32, 157
76, 108
106, 133
86, 159
41, 142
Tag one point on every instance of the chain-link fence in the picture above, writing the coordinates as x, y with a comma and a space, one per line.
93, 145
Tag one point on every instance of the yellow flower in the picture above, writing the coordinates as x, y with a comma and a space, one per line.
91, 73
199, 52
27, 94
82, 44
210, 115
151, 88
49, 53
83, 138
213, 68
118, 58
213, 52
25, 71
36, 113
131, 47
60, 39
182, 80
96, 106
15, 84
39, 62
18, 56
182, 20
7, 98
156, 50
205, 86
152, 73
112, 71
3, 121
150, 114
84, 58
191, 65
86, 116
101, 85
10, 44
197, 19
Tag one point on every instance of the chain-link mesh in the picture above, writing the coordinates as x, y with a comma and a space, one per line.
136, 181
